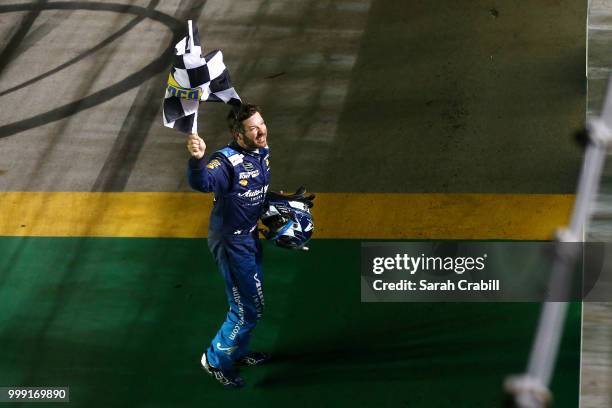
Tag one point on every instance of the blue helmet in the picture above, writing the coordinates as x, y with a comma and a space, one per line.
288, 219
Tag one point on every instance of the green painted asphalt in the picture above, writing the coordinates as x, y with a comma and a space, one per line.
123, 323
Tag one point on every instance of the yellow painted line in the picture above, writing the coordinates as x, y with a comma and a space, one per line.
442, 216
337, 215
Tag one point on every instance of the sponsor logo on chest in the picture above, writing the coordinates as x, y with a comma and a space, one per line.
248, 174
255, 193
248, 166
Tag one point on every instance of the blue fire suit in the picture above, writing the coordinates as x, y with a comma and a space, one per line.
239, 179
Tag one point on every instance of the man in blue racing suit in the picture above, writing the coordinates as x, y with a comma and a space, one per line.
238, 174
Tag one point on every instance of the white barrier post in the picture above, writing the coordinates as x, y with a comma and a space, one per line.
530, 390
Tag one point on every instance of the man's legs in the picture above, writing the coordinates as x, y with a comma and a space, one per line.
239, 262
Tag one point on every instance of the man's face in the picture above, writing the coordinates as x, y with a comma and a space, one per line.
255, 133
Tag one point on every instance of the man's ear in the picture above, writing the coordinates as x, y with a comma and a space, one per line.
237, 136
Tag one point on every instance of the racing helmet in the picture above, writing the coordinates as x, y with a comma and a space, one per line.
288, 219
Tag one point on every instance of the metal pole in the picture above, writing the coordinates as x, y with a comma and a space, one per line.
530, 390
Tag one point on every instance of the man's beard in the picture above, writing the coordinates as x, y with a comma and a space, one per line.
251, 144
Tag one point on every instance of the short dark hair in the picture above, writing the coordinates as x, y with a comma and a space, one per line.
237, 115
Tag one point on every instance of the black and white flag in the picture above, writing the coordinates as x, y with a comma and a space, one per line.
195, 79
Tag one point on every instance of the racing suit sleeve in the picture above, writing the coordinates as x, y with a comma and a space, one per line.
211, 176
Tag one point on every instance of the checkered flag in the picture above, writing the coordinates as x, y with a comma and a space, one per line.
194, 79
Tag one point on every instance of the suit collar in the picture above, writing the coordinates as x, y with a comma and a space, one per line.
257, 152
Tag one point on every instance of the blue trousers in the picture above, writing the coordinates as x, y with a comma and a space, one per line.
239, 261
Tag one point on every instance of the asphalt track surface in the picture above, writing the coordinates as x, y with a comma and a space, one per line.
360, 96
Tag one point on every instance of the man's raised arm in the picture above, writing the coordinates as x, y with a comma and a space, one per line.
206, 177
